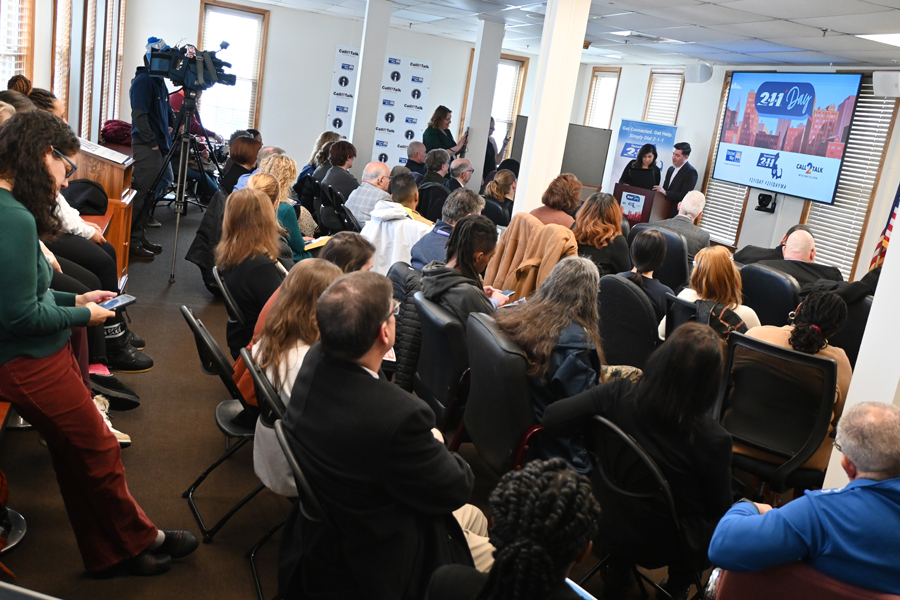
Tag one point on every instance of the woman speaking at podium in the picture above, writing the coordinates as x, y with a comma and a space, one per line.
642, 172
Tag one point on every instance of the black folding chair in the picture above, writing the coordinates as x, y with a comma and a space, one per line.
629, 328
214, 362
680, 312
309, 504
235, 315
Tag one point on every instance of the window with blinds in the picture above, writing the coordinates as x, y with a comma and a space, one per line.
87, 70
663, 96
602, 97
225, 109
724, 200
507, 98
838, 227
16, 38
62, 39
113, 56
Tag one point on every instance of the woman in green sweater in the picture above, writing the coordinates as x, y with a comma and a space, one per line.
39, 374
437, 134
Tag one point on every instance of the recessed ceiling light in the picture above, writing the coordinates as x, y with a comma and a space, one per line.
892, 39
622, 33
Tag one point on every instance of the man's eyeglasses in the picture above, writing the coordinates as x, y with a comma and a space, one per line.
837, 446
395, 309
70, 170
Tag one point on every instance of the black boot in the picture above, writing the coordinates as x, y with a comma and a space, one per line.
120, 354
120, 396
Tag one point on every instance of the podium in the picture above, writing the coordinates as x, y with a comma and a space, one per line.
112, 170
641, 205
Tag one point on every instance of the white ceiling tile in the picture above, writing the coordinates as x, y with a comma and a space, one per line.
414, 17
310, 5
771, 29
883, 57
690, 33
888, 3
784, 9
476, 6
637, 22
641, 5
880, 22
346, 12
748, 46
600, 26
834, 43
356, 4
805, 58
437, 10
705, 14
741, 59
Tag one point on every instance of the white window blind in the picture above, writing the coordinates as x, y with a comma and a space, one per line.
510, 75
116, 76
724, 200
229, 108
61, 50
837, 227
87, 72
664, 96
16, 28
602, 98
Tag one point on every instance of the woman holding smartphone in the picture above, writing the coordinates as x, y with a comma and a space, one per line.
39, 374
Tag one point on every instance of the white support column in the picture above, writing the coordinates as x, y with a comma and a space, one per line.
545, 139
876, 377
481, 94
368, 83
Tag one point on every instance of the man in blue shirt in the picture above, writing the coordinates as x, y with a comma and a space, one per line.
851, 533
433, 245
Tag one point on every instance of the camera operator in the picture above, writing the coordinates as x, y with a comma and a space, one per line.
151, 139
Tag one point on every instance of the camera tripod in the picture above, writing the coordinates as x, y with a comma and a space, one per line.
185, 144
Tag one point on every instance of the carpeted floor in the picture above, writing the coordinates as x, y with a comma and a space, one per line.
174, 439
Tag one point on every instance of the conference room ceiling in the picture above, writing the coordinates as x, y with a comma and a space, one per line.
668, 32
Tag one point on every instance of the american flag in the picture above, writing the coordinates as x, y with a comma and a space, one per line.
881, 250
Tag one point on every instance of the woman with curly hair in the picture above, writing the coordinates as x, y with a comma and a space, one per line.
544, 520
598, 231
39, 373
560, 200
284, 170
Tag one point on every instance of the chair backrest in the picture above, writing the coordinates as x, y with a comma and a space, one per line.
680, 312
776, 400
675, 270
634, 494
309, 504
770, 293
271, 408
432, 196
849, 337
796, 580
212, 360
408, 343
499, 409
443, 355
334, 215
628, 325
306, 189
235, 315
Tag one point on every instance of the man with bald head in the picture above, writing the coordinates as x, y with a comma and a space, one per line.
375, 181
750, 254
460, 173
799, 260
415, 157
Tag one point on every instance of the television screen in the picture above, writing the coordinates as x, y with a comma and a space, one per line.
786, 132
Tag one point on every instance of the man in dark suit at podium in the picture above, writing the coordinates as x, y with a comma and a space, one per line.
680, 179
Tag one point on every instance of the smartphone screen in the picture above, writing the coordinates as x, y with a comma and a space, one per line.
118, 302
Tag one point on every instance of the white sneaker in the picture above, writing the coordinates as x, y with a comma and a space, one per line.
103, 406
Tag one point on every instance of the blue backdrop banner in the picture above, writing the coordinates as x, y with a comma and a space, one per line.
633, 135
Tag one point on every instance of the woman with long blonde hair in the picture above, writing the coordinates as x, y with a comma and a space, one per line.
269, 184
247, 259
284, 169
498, 197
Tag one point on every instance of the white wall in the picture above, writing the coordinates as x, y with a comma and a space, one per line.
43, 43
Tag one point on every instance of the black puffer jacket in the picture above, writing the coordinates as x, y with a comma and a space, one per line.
203, 248
407, 281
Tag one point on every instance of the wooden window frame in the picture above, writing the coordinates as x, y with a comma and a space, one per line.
86, 95
517, 108
29, 45
262, 52
594, 71
650, 86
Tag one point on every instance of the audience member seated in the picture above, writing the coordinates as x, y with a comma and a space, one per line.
349, 251
415, 157
438, 164
42, 99
324, 138
39, 373
689, 211
457, 285
509, 164
544, 518
279, 348
264, 152
561, 197
753, 254
643, 171
386, 482
6, 112
648, 250
498, 197
850, 533
716, 278
339, 177
437, 135
376, 178
393, 229
799, 261
667, 413
598, 231
819, 316
284, 169
243, 155
284, 212
460, 173
433, 246
559, 330
323, 164
247, 259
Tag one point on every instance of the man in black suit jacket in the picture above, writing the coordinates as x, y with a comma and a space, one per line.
680, 179
685, 222
754, 254
799, 257
460, 173
387, 485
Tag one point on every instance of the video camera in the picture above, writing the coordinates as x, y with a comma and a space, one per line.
190, 68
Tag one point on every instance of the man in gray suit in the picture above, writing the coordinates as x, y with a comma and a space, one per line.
685, 223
